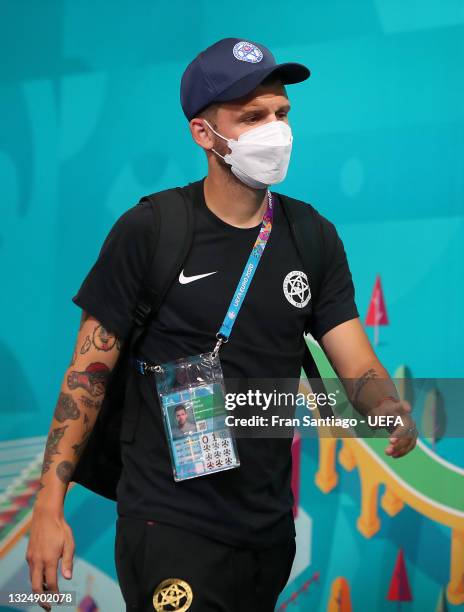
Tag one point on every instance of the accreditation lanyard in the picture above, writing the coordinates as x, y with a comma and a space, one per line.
247, 275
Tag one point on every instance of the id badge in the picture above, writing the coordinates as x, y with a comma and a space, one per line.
192, 398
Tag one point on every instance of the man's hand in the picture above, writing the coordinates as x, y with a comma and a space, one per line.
403, 437
50, 539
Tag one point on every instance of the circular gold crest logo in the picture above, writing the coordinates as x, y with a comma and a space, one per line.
172, 594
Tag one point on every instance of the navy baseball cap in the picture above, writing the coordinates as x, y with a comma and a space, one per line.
229, 69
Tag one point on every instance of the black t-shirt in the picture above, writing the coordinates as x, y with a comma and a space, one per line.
251, 504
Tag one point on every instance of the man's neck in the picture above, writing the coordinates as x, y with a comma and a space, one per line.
233, 201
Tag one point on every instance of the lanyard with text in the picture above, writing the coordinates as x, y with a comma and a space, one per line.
191, 390
247, 275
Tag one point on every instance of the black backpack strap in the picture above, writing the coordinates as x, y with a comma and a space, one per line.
173, 218
305, 226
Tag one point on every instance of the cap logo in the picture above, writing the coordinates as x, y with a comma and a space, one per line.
247, 52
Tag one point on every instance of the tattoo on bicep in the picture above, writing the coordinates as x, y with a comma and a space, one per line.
66, 408
102, 339
86, 346
64, 471
93, 379
359, 383
51, 447
79, 447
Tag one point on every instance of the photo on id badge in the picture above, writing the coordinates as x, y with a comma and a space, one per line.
182, 420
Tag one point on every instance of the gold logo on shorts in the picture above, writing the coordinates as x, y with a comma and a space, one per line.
172, 594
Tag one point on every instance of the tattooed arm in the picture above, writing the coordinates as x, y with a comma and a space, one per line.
82, 391
76, 410
368, 384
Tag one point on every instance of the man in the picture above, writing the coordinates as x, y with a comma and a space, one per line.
183, 425
223, 541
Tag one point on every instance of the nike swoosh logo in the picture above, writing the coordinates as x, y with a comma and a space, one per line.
184, 280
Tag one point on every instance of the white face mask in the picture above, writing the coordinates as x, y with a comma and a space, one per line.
260, 156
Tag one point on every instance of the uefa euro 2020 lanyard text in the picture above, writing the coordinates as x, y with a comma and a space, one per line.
247, 276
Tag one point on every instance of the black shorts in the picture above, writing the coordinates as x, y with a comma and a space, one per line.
162, 567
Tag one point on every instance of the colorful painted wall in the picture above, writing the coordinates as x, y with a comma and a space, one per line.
91, 120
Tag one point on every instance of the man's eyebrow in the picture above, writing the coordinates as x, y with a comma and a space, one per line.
255, 109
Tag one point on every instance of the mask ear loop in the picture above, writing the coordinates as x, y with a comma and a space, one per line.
217, 133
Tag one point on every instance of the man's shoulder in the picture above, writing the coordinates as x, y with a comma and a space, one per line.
133, 222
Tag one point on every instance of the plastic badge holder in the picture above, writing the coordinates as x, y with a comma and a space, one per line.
192, 399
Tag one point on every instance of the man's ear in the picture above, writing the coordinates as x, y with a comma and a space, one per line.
201, 134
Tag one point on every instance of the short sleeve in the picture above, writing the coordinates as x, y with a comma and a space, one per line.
111, 288
335, 303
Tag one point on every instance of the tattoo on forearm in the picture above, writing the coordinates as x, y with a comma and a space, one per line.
86, 346
51, 447
66, 408
79, 447
90, 403
360, 382
102, 339
64, 471
93, 379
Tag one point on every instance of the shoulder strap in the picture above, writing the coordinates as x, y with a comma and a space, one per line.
306, 231
173, 219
